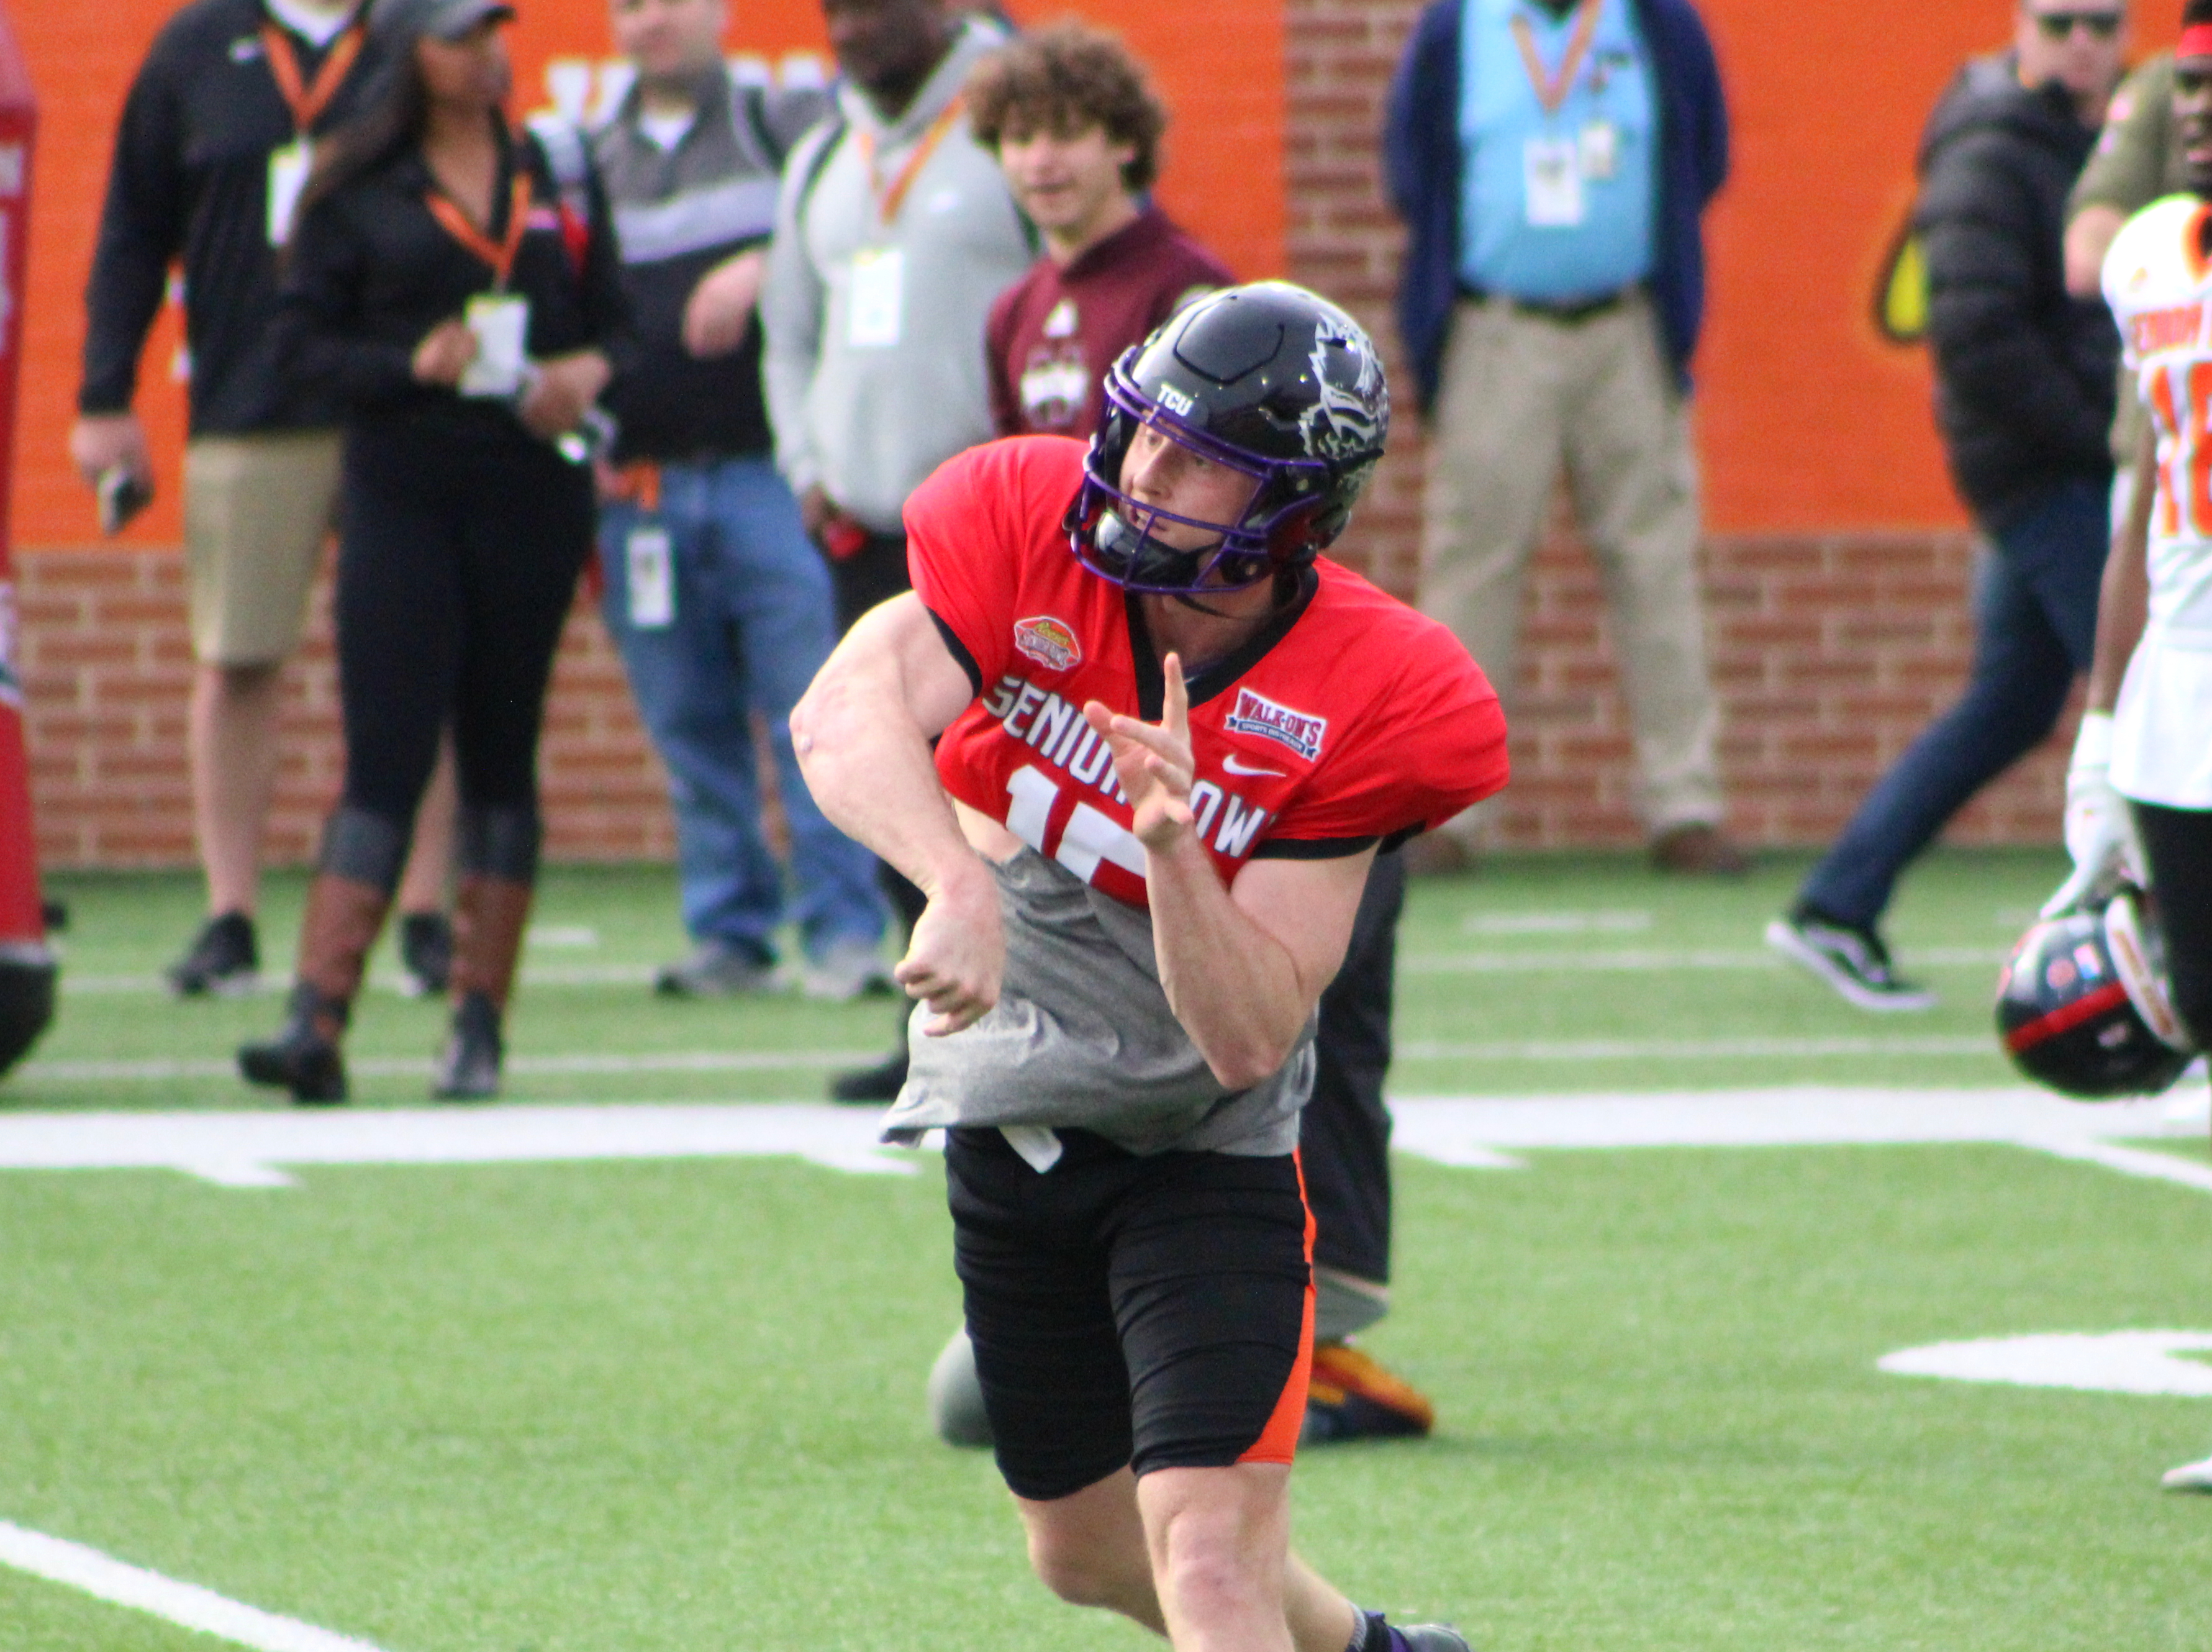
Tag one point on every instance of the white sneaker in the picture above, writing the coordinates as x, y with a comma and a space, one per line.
847, 970
2189, 1476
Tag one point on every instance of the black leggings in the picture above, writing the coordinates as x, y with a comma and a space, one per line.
461, 539
2178, 842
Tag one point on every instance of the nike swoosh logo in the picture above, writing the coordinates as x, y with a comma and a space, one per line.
1236, 765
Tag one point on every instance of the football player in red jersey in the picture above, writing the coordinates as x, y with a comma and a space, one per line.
1173, 738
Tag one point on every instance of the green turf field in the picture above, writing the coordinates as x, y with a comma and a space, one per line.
675, 1403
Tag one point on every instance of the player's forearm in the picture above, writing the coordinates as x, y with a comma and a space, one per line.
2124, 601
1234, 987
868, 766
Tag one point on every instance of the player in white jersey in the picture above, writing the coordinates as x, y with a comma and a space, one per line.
2139, 792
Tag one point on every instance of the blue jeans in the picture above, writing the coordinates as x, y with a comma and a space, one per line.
751, 625
2035, 626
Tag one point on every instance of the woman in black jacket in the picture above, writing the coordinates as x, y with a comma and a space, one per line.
463, 304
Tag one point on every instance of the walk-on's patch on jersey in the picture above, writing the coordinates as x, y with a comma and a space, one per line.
2158, 280
1348, 721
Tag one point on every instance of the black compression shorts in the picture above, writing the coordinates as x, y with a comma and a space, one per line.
1151, 1312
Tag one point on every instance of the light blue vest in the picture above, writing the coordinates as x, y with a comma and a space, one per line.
1557, 206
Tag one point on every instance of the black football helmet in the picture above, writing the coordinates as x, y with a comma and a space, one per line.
1268, 380
2083, 1006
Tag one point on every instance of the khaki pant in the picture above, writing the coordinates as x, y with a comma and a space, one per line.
256, 510
1521, 395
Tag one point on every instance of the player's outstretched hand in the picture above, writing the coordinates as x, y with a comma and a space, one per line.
956, 958
1154, 761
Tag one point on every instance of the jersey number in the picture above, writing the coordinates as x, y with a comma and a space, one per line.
2181, 396
1088, 838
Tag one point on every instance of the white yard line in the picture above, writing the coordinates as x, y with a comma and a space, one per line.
187, 1605
402, 1066
166, 1071
1685, 1049
1641, 961
257, 1149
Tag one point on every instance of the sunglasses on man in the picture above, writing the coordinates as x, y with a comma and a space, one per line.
2057, 25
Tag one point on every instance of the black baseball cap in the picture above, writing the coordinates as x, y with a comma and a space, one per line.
396, 20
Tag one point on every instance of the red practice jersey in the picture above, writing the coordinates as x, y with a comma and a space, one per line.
1054, 333
1348, 720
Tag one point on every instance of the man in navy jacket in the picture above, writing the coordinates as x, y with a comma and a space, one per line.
1553, 159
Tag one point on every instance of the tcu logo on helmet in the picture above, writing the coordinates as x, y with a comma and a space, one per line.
1346, 422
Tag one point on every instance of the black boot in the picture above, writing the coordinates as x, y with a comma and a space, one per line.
469, 1070
304, 1056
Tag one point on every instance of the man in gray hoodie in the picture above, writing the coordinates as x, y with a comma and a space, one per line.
893, 235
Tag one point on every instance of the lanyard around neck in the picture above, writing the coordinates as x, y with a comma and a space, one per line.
1552, 89
890, 199
307, 102
500, 255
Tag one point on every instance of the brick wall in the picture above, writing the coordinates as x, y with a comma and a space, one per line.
1830, 651
107, 671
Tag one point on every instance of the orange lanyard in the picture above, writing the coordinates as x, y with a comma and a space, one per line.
1552, 90
500, 255
307, 102
889, 201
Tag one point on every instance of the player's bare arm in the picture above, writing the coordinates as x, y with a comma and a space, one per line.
2123, 598
862, 733
1242, 967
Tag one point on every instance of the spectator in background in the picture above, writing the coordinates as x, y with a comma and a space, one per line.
894, 232
209, 161
1077, 130
1553, 159
2024, 396
718, 599
463, 305
2136, 162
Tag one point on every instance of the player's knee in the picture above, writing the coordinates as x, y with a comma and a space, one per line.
1210, 1563
1081, 1572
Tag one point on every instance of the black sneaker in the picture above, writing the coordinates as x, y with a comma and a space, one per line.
303, 1058
222, 960
1850, 960
469, 1070
880, 1082
426, 953
1412, 1638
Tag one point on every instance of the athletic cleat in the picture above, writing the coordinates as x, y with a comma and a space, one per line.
426, 953
1850, 961
1431, 1637
2189, 1476
719, 969
846, 970
303, 1058
866, 1085
223, 960
1351, 1397
469, 1070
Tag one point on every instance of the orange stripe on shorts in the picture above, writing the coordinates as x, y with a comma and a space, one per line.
1279, 1440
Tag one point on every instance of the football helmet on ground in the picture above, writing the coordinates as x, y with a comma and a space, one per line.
2083, 1005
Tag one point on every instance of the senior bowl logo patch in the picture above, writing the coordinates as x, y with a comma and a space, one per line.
1048, 642
1257, 714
